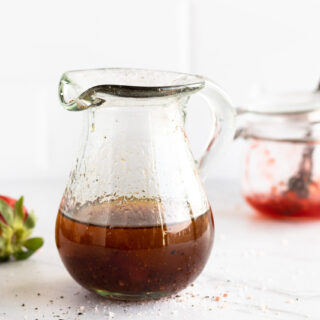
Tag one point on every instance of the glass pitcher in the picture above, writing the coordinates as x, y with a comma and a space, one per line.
134, 222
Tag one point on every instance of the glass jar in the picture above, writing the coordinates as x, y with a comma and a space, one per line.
281, 176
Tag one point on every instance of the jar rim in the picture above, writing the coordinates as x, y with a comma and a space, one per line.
285, 103
287, 117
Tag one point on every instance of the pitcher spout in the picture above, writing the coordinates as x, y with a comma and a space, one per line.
80, 90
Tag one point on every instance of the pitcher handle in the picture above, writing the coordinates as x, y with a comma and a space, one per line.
223, 117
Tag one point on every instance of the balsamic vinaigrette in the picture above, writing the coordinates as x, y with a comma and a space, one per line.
128, 253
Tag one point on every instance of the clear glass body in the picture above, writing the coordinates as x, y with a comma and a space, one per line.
282, 178
134, 222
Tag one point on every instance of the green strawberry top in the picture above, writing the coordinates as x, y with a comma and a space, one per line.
16, 226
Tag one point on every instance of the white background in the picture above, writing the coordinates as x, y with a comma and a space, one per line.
245, 46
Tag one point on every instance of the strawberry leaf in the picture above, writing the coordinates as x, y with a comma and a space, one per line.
18, 210
33, 244
6, 212
4, 228
22, 255
30, 221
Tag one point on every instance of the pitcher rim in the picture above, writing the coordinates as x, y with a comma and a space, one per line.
84, 87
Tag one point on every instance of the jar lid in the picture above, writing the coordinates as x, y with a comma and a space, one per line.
292, 117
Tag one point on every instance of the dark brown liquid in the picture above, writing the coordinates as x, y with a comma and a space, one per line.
134, 262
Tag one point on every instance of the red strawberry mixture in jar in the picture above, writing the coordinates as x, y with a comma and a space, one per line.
287, 204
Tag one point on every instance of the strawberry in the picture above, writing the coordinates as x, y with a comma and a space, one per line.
16, 225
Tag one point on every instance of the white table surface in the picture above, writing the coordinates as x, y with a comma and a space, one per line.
267, 269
